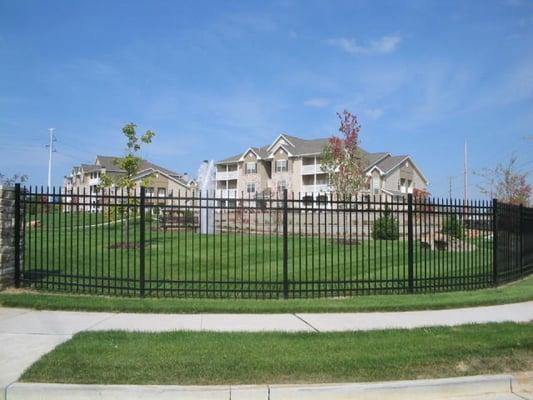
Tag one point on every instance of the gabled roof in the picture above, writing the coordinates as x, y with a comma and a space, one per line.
108, 163
298, 147
390, 163
149, 171
383, 161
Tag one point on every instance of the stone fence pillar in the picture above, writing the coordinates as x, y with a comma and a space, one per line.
7, 236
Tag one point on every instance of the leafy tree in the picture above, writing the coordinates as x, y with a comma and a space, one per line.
386, 227
11, 180
453, 226
342, 158
506, 183
131, 162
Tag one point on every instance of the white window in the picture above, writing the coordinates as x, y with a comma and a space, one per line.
376, 184
281, 185
251, 168
282, 166
161, 192
402, 185
250, 188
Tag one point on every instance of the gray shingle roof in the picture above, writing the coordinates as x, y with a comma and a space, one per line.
299, 147
389, 163
108, 162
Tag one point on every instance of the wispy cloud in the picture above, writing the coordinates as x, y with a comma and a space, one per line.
374, 113
383, 45
316, 102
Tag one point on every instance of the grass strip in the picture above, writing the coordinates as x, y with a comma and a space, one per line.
515, 292
253, 358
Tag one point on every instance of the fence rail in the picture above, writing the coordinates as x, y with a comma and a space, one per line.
281, 246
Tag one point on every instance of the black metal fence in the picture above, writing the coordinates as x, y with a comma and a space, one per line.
280, 246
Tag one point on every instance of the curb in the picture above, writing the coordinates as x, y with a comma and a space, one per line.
482, 385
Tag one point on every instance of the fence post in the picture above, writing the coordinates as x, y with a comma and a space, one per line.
285, 247
142, 240
521, 238
494, 242
16, 235
410, 260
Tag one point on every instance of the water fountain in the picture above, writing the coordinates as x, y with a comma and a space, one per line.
206, 186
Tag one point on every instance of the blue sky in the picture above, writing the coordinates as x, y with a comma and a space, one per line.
213, 77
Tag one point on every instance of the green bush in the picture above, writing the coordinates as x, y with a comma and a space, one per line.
386, 227
453, 226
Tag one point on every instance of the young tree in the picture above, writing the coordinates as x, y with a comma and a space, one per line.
506, 183
131, 162
11, 180
342, 158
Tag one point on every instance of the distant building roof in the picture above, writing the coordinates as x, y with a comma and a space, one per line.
109, 164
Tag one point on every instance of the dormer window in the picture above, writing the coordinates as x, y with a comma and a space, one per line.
250, 168
282, 165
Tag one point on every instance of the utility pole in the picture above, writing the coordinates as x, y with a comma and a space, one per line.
466, 173
51, 140
450, 181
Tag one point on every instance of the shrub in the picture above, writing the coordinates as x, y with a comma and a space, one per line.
386, 227
453, 226
187, 217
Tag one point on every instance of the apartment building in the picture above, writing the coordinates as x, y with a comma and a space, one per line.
293, 163
163, 182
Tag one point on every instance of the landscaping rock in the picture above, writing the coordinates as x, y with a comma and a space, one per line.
442, 242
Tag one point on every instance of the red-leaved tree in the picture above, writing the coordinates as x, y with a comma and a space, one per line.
342, 158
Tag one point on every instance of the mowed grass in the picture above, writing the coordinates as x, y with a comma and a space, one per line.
511, 293
253, 358
105, 258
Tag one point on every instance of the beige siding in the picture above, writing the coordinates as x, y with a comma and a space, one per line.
282, 176
407, 172
260, 178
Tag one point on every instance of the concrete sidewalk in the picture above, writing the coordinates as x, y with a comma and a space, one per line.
488, 387
26, 335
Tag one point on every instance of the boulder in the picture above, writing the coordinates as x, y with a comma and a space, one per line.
442, 242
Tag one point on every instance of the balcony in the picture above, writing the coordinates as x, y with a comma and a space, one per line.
226, 193
227, 175
315, 188
312, 169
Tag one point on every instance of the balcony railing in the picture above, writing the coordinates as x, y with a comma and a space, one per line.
227, 175
312, 169
226, 193
315, 188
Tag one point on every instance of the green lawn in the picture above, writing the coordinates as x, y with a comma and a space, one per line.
253, 358
103, 258
510, 293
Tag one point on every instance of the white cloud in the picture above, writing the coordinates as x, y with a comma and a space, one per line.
383, 45
317, 102
374, 113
